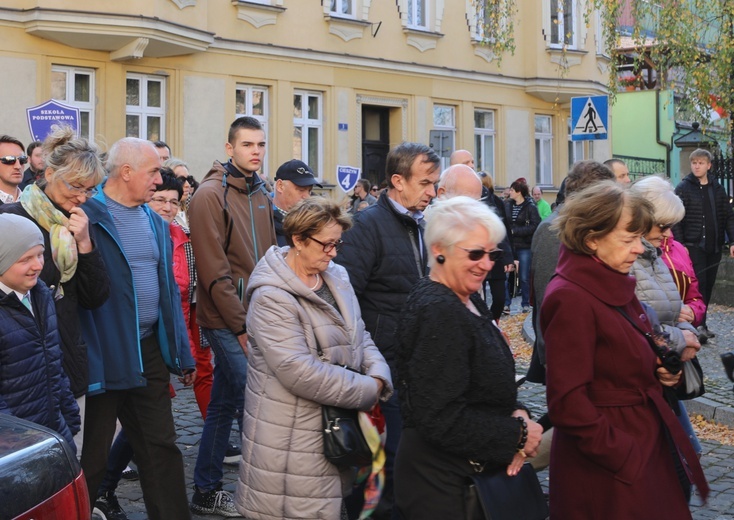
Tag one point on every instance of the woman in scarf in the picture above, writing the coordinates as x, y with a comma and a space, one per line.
73, 268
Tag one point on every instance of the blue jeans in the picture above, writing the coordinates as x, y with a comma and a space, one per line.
121, 453
685, 421
228, 396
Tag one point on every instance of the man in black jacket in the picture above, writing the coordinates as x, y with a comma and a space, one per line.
385, 256
708, 215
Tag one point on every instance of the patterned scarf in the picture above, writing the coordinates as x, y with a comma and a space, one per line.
63, 245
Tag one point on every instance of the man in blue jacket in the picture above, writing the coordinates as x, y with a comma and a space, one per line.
138, 336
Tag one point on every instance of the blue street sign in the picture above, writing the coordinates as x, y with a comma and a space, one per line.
347, 177
42, 117
589, 117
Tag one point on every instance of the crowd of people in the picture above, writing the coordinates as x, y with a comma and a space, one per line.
118, 270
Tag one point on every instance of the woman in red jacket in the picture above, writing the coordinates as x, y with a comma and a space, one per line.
617, 442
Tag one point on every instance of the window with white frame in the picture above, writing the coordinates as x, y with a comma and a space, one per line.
544, 150
563, 23
484, 139
145, 107
418, 14
575, 148
252, 100
308, 132
75, 87
344, 8
444, 131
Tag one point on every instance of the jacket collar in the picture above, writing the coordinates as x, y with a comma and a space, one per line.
602, 282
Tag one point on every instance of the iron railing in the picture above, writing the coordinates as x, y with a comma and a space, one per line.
642, 166
723, 169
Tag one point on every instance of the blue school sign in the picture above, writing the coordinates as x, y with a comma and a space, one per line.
42, 117
590, 118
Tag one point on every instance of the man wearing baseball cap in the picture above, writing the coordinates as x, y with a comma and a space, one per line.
294, 181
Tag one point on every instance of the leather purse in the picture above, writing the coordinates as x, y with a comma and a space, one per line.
494, 495
344, 442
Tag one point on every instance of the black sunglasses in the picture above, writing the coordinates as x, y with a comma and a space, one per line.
10, 159
476, 254
664, 227
330, 246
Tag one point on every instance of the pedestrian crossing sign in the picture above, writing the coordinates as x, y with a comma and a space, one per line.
589, 116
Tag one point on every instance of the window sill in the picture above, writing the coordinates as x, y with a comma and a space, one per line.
257, 14
421, 39
569, 57
346, 28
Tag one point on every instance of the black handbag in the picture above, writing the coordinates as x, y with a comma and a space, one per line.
494, 495
344, 442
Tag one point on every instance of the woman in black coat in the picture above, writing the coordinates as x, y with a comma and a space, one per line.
458, 396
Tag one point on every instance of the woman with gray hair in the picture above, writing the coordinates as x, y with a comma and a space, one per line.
656, 287
458, 396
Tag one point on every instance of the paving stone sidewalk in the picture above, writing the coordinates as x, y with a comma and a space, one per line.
717, 459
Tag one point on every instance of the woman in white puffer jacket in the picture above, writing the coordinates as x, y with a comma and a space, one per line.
298, 299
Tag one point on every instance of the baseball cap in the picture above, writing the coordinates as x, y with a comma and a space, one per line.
298, 172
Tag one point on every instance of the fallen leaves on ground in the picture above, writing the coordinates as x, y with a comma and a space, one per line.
711, 431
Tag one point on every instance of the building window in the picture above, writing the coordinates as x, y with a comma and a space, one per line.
75, 87
418, 14
575, 148
145, 107
343, 8
563, 23
443, 135
484, 138
308, 132
252, 100
544, 150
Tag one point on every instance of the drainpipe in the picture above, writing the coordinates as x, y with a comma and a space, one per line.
668, 146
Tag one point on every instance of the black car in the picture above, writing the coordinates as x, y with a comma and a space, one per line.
40, 477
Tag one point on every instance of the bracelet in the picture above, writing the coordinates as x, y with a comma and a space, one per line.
523, 434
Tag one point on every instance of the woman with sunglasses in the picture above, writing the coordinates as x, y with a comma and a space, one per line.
458, 396
301, 303
73, 268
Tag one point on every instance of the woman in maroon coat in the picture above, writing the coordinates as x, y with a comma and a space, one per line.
613, 451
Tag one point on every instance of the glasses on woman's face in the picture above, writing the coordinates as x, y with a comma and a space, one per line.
477, 254
664, 227
329, 246
374, 189
87, 192
163, 201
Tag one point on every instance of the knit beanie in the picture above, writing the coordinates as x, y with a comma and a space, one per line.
17, 235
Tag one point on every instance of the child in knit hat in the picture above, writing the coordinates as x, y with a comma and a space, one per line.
33, 385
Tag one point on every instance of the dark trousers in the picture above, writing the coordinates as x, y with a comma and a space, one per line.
121, 453
145, 414
706, 266
497, 290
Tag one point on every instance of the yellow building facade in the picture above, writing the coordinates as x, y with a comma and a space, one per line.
334, 82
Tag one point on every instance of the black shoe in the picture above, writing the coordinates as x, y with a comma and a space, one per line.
233, 454
214, 502
704, 331
108, 508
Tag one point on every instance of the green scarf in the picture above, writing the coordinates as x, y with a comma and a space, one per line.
63, 245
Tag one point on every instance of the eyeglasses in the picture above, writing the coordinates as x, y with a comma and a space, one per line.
330, 246
374, 188
664, 227
163, 201
10, 159
477, 254
88, 193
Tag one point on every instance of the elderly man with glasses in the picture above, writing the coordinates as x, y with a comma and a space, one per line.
12, 159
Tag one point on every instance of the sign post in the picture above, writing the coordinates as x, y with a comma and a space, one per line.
590, 118
42, 117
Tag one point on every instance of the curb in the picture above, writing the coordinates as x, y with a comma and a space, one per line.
710, 409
